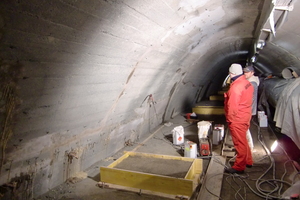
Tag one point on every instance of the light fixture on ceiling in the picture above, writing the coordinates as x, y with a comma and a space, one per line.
253, 59
260, 44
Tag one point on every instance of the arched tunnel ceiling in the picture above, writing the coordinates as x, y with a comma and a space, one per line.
80, 72
282, 48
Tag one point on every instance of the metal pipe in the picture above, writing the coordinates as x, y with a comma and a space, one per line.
273, 87
290, 72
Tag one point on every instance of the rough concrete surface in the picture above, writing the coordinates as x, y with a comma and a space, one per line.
74, 75
159, 142
159, 166
233, 186
272, 172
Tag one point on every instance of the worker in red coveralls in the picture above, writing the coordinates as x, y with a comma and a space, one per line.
238, 102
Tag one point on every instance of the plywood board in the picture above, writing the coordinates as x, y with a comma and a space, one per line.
212, 184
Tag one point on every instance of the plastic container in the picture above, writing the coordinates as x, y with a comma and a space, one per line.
190, 149
178, 135
216, 136
262, 119
221, 127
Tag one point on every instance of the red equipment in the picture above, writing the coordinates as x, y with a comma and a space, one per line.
204, 147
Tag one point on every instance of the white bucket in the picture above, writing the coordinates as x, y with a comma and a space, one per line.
178, 135
190, 149
216, 136
203, 129
221, 127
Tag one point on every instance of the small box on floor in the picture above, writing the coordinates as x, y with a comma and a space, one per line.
262, 119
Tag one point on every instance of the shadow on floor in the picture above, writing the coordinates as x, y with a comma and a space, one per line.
95, 178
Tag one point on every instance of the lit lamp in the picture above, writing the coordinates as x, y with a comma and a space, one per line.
274, 145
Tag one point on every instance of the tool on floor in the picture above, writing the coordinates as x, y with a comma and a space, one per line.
204, 149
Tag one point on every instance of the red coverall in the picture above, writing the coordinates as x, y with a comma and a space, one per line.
238, 102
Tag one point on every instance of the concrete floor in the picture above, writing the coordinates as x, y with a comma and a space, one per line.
160, 142
270, 175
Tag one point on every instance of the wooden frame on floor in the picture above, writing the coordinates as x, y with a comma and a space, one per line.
153, 182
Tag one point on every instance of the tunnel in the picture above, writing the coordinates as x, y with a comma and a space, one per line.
80, 80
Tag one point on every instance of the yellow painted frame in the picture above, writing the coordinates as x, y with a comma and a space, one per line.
209, 110
156, 183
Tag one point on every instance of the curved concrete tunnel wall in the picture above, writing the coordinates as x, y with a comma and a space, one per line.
76, 75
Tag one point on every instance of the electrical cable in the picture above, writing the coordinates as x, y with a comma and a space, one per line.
282, 177
295, 177
263, 193
218, 161
276, 185
236, 191
231, 159
211, 191
267, 193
